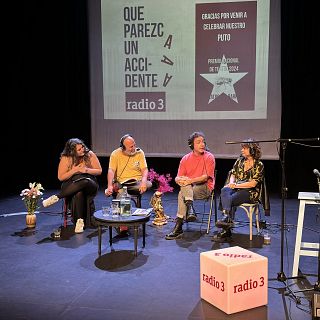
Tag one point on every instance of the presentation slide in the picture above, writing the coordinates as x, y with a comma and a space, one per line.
163, 69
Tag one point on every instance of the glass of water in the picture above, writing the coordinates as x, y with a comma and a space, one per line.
115, 207
105, 211
57, 233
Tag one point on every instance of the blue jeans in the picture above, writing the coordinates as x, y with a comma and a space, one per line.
233, 197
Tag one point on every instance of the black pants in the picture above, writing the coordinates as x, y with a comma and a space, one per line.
80, 191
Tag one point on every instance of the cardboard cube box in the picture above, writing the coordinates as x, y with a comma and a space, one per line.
234, 279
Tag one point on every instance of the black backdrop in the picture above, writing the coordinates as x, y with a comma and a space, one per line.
46, 94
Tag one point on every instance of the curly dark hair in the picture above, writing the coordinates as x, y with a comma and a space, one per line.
254, 147
70, 150
194, 135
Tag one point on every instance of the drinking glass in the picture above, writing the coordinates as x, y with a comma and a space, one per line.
105, 211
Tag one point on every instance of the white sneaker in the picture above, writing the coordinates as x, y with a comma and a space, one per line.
50, 201
79, 226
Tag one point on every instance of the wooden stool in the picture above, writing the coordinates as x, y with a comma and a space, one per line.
250, 209
301, 248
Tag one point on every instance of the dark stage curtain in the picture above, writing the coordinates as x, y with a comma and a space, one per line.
47, 94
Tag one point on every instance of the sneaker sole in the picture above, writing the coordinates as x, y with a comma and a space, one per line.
177, 237
50, 201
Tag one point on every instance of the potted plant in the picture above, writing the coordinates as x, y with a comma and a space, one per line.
31, 199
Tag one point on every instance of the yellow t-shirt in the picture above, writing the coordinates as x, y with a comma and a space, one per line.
127, 167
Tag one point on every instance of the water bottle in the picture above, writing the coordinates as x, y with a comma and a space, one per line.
125, 202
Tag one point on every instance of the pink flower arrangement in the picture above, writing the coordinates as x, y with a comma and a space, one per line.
31, 196
162, 181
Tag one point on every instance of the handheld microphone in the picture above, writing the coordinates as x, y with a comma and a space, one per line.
134, 152
130, 154
316, 172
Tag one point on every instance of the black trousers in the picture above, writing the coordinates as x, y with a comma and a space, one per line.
80, 191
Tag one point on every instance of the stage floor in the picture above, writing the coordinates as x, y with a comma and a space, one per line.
47, 278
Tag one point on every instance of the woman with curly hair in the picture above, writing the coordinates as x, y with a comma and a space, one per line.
243, 185
78, 168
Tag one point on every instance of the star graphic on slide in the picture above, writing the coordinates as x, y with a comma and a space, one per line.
223, 81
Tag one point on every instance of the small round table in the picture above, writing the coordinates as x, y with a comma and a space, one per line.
117, 221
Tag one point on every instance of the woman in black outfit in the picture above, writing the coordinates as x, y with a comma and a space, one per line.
78, 168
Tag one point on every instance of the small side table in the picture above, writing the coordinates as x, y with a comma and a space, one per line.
305, 198
129, 221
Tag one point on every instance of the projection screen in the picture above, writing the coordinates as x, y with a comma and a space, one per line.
161, 70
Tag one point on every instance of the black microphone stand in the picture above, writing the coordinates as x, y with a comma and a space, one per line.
281, 275
283, 142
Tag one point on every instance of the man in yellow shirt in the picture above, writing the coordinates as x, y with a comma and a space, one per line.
127, 167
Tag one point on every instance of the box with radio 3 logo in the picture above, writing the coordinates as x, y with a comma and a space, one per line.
234, 279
